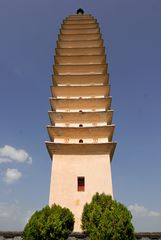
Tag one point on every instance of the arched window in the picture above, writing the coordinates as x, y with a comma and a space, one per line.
80, 125
80, 141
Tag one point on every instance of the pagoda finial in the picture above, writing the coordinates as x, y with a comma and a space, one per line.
80, 11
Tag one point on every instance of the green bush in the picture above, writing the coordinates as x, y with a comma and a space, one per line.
106, 219
50, 223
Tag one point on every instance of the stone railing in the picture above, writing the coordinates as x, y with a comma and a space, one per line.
79, 236
148, 235
11, 235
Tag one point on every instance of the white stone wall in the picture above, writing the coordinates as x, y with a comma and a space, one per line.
66, 169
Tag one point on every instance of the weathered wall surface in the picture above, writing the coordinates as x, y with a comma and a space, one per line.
77, 236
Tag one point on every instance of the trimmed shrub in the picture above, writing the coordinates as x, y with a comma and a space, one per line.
55, 223
106, 219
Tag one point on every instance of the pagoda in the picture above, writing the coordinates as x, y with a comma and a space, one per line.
81, 130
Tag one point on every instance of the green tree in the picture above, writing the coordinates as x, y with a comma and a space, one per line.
54, 223
107, 219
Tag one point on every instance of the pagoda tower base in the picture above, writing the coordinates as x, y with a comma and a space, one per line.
66, 169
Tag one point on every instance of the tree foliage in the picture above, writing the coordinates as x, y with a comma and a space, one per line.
106, 219
54, 223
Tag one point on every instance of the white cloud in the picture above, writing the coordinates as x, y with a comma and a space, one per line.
145, 220
13, 216
141, 211
12, 175
11, 154
154, 214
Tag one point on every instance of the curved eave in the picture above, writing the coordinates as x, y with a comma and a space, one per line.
85, 80
80, 60
79, 26
80, 43
78, 37
80, 69
80, 31
80, 91
76, 104
79, 51
84, 22
81, 117
81, 132
81, 149
80, 17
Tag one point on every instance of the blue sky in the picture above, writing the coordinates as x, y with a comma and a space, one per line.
132, 36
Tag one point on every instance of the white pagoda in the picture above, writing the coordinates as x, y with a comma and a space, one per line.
81, 130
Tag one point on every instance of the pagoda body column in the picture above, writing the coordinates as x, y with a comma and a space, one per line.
81, 130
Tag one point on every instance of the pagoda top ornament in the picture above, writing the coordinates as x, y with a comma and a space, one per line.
80, 11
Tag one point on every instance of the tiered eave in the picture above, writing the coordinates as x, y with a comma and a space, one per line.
81, 115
